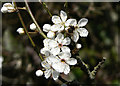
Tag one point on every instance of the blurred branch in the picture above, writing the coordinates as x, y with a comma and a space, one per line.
6, 79
46, 8
29, 11
90, 8
66, 7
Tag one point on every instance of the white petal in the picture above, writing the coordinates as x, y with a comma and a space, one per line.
59, 37
50, 34
75, 36
82, 22
55, 51
46, 27
65, 49
47, 53
63, 15
83, 32
66, 28
71, 22
11, 9
55, 74
39, 73
56, 19
47, 73
7, 5
45, 64
52, 59
66, 41
55, 27
32, 26
72, 61
53, 43
44, 50
46, 42
61, 28
67, 69
78, 46
4, 10
59, 67
64, 55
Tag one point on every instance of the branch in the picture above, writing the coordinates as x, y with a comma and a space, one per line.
20, 17
32, 42
85, 68
38, 27
93, 73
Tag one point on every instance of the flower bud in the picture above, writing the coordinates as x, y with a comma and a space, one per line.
4, 10
50, 34
33, 26
39, 73
7, 5
78, 46
20, 30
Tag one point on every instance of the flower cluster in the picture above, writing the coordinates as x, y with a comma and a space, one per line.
8, 8
56, 51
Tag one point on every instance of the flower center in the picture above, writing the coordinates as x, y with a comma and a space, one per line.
62, 60
62, 23
60, 45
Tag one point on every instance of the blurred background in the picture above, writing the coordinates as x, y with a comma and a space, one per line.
20, 61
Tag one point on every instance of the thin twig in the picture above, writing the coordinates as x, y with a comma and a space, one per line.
46, 8
20, 17
32, 42
93, 73
21, 8
66, 7
38, 27
90, 8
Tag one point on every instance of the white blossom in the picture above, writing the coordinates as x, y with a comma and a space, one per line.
51, 32
20, 30
33, 26
39, 73
78, 46
61, 62
60, 43
59, 22
49, 70
8, 7
78, 29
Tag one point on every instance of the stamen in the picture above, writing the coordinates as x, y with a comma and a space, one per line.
62, 60
60, 45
